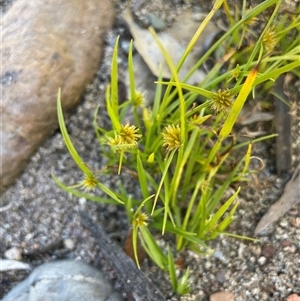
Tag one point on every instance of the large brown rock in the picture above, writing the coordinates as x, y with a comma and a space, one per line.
46, 44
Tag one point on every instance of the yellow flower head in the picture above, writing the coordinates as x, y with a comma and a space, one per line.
253, 21
171, 137
89, 182
140, 220
126, 139
138, 100
129, 134
222, 101
236, 72
269, 39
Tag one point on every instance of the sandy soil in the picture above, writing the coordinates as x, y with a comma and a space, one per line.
41, 214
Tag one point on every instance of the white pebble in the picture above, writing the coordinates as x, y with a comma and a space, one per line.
207, 265
7, 265
13, 253
69, 243
82, 202
262, 260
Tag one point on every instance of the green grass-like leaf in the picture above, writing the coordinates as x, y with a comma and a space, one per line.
183, 189
80, 163
113, 200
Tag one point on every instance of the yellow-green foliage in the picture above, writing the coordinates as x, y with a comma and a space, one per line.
178, 148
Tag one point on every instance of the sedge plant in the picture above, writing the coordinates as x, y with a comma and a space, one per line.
177, 149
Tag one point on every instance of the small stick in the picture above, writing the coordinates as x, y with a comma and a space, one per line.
135, 282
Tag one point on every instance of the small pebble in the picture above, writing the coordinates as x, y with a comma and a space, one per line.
125, 45
284, 224
219, 255
269, 288
256, 249
222, 296
291, 249
69, 243
82, 201
296, 222
207, 265
293, 297
156, 22
198, 17
8, 265
293, 212
255, 291
286, 243
251, 267
220, 277
268, 251
262, 260
177, 2
13, 253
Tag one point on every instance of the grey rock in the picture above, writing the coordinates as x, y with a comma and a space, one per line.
45, 45
157, 23
175, 41
64, 281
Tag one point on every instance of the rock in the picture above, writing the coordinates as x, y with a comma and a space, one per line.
268, 251
175, 42
144, 79
69, 243
184, 29
13, 253
156, 22
8, 265
64, 280
148, 58
262, 260
222, 296
220, 277
296, 222
219, 255
293, 297
46, 45
286, 243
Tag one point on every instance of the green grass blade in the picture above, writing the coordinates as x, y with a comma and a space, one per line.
111, 113
109, 192
212, 223
152, 248
112, 201
183, 287
166, 168
199, 31
200, 91
233, 114
142, 176
171, 268
80, 163
189, 236
134, 245
131, 73
114, 80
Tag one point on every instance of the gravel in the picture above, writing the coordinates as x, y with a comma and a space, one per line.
41, 214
